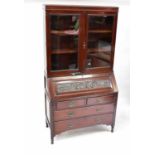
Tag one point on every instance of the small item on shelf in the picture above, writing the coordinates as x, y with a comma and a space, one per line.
100, 20
76, 26
89, 63
104, 45
99, 46
72, 66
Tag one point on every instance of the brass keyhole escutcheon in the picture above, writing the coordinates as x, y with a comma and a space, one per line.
70, 126
70, 114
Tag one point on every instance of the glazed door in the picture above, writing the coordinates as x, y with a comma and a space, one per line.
100, 41
63, 41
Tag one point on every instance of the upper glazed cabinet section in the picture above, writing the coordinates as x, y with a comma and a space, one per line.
79, 39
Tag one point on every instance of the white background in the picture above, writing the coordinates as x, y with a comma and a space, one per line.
22, 129
89, 140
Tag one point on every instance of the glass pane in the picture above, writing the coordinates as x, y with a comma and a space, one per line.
99, 41
64, 42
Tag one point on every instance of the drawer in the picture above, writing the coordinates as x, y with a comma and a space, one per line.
71, 104
61, 126
101, 100
80, 112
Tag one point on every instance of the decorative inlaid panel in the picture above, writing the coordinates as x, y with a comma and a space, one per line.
82, 85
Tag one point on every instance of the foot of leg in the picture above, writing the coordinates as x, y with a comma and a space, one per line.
52, 140
46, 125
112, 128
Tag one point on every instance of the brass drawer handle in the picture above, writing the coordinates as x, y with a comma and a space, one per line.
98, 110
70, 114
71, 104
99, 100
70, 126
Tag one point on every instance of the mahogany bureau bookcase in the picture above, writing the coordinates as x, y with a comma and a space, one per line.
80, 87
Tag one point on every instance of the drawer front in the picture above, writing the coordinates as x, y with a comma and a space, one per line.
101, 100
80, 112
61, 126
71, 104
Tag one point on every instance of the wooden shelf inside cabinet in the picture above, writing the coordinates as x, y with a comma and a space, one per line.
65, 32
99, 57
63, 51
98, 50
100, 31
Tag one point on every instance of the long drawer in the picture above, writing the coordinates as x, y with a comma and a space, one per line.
101, 100
80, 112
71, 104
61, 126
